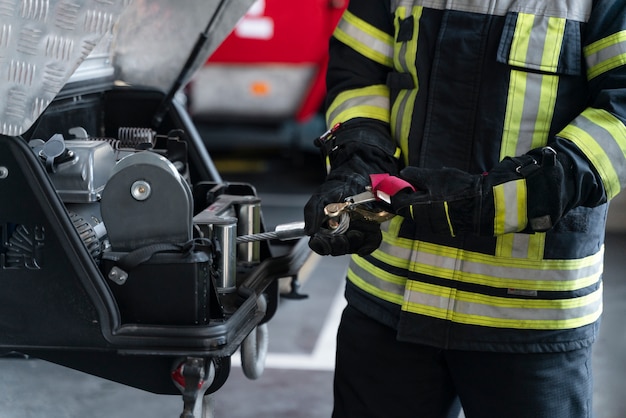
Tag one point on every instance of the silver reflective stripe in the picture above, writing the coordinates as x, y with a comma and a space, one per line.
483, 269
393, 285
510, 207
380, 282
370, 101
400, 62
404, 62
397, 131
606, 54
521, 245
578, 10
537, 42
470, 308
602, 138
529, 246
517, 276
530, 108
538, 110
365, 39
507, 274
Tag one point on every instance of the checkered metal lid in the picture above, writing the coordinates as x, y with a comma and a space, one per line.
48, 44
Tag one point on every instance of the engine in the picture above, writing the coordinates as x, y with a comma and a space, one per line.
166, 261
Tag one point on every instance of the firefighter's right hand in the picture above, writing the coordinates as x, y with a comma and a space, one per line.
362, 237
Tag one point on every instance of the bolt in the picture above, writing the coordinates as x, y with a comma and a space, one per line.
4, 172
140, 190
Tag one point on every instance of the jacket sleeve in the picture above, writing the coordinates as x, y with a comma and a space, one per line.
599, 132
361, 55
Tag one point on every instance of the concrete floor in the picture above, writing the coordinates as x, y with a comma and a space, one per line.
297, 381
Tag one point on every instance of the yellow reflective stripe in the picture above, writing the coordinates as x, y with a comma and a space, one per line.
606, 54
404, 61
602, 138
496, 265
530, 246
364, 38
536, 245
510, 207
381, 284
401, 122
474, 309
369, 102
549, 275
530, 108
537, 42
404, 52
394, 252
521, 39
483, 269
548, 269
505, 245
546, 101
513, 115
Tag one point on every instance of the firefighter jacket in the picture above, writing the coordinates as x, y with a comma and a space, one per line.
465, 84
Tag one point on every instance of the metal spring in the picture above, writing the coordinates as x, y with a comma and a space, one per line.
132, 137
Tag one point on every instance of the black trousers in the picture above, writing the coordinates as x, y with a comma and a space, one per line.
378, 377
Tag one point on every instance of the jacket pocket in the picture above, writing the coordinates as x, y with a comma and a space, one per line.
541, 43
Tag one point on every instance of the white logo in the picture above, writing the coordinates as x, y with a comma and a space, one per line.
254, 25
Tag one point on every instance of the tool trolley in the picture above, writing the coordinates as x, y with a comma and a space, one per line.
119, 254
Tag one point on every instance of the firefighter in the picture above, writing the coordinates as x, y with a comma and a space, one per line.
508, 119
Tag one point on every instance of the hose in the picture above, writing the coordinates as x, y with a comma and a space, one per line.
254, 347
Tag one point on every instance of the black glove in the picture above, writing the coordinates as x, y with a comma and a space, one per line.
362, 237
522, 194
359, 149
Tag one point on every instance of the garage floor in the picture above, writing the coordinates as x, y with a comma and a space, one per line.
297, 379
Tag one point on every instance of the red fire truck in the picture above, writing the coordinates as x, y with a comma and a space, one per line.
265, 84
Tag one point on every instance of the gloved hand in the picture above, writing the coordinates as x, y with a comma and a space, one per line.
362, 237
359, 149
528, 193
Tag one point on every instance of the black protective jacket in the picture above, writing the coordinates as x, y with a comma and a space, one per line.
465, 84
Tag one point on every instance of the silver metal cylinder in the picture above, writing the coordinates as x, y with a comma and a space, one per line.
226, 234
249, 215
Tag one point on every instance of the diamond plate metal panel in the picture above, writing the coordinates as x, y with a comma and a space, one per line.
42, 42
45, 44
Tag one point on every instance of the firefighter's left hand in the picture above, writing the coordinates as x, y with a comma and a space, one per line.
522, 194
